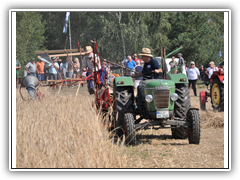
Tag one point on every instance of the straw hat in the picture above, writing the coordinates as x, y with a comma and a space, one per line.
192, 63
135, 55
88, 49
146, 52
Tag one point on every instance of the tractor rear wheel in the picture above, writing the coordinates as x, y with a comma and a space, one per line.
217, 95
122, 102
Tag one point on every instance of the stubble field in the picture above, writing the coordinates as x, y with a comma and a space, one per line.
64, 131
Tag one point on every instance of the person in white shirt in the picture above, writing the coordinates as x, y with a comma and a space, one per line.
209, 70
192, 74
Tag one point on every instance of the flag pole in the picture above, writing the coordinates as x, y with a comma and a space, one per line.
70, 36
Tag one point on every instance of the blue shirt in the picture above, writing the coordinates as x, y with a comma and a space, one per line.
150, 66
52, 69
130, 65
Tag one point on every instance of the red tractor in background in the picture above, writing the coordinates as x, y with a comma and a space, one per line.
216, 90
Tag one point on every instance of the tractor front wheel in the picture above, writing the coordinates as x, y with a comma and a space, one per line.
180, 109
129, 129
194, 130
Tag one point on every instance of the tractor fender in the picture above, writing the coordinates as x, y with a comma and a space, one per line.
203, 97
219, 76
123, 81
192, 108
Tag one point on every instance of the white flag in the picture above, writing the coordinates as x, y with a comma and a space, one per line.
66, 21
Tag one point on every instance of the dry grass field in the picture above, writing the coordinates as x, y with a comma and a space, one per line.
63, 131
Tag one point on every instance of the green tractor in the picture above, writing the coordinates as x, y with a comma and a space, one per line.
166, 105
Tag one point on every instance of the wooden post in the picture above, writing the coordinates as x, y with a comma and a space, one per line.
165, 68
162, 55
78, 88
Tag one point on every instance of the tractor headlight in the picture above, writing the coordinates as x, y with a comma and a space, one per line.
148, 98
174, 96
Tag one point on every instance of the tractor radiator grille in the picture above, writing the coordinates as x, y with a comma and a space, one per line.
161, 98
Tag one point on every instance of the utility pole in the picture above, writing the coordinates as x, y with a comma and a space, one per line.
70, 37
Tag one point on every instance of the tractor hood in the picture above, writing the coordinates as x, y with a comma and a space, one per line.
152, 83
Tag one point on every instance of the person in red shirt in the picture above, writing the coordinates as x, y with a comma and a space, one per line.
202, 73
40, 69
135, 58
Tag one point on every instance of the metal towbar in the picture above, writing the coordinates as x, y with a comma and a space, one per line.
146, 125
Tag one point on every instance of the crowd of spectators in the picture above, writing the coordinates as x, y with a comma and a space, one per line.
53, 71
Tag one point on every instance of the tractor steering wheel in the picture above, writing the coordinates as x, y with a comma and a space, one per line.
150, 75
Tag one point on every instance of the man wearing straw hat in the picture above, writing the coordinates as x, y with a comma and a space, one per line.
150, 65
88, 66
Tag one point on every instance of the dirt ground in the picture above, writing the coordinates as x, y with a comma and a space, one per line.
157, 148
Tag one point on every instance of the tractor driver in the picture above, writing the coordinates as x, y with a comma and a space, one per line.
150, 65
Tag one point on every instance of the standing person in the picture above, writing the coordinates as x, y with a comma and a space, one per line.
192, 74
209, 70
64, 73
180, 62
60, 70
40, 70
53, 70
173, 64
47, 70
106, 69
138, 69
31, 67
124, 61
130, 64
88, 66
202, 72
135, 58
77, 67
18, 66
69, 67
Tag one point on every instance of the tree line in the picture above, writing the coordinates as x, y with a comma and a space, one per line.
121, 33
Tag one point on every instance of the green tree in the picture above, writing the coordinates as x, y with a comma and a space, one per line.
121, 33
202, 39
29, 36
158, 28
